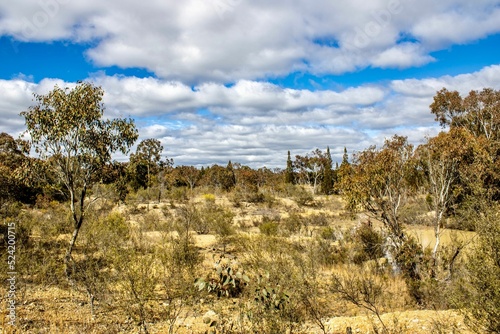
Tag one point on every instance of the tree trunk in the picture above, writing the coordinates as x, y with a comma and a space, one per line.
67, 258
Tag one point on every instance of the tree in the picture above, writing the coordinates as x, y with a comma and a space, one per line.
219, 177
442, 158
230, 173
188, 174
479, 114
327, 182
67, 128
342, 171
311, 168
145, 161
380, 182
289, 177
479, 287
13, 156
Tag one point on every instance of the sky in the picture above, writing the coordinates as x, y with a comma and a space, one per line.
246, 81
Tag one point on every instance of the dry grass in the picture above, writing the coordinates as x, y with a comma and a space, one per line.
59, 309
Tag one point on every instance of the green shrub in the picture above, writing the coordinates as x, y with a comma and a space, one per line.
229, 279
479, 293
327, 233
371, 242
293, 223
178, 194
324, 253
268, 227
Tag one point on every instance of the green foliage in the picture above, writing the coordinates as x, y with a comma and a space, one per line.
380, 182
324, 253
328, 233
145, 163
229, 280
479, 293
327, 182
152, 221
289, 174
137, 284
271, 297
371, 242
268, 226
293, 223
67, 129
246, 194
178, 194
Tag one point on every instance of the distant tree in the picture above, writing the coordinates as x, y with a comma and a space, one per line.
289, 177
311, 168
342, 172
219, 177
345, 158
115, 173
13, 155
67, 128
327, 182
188, 174
146, 161
246, 177
231, 175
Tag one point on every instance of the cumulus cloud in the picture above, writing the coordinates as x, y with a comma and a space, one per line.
254, 122
225, 41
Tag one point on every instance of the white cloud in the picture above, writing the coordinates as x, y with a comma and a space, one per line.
200, 41
256, 123
402, 56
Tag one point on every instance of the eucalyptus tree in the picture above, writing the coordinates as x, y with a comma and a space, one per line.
67, 129
380, 182
148, 157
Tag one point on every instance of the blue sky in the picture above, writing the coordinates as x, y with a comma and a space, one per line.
247, 81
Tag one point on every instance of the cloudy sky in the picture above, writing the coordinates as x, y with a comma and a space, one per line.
241, 80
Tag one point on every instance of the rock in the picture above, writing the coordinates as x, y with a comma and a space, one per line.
209, 316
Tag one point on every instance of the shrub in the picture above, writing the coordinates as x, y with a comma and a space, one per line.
324, 253
151, 221
480, 286
327, 233
246, 194
302, 197
293, 223
217, 219
179, 194
229, 279
188, 218
268, 227
106, 233
371, 242
362, 289
209, 198
185, 253
318, 220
